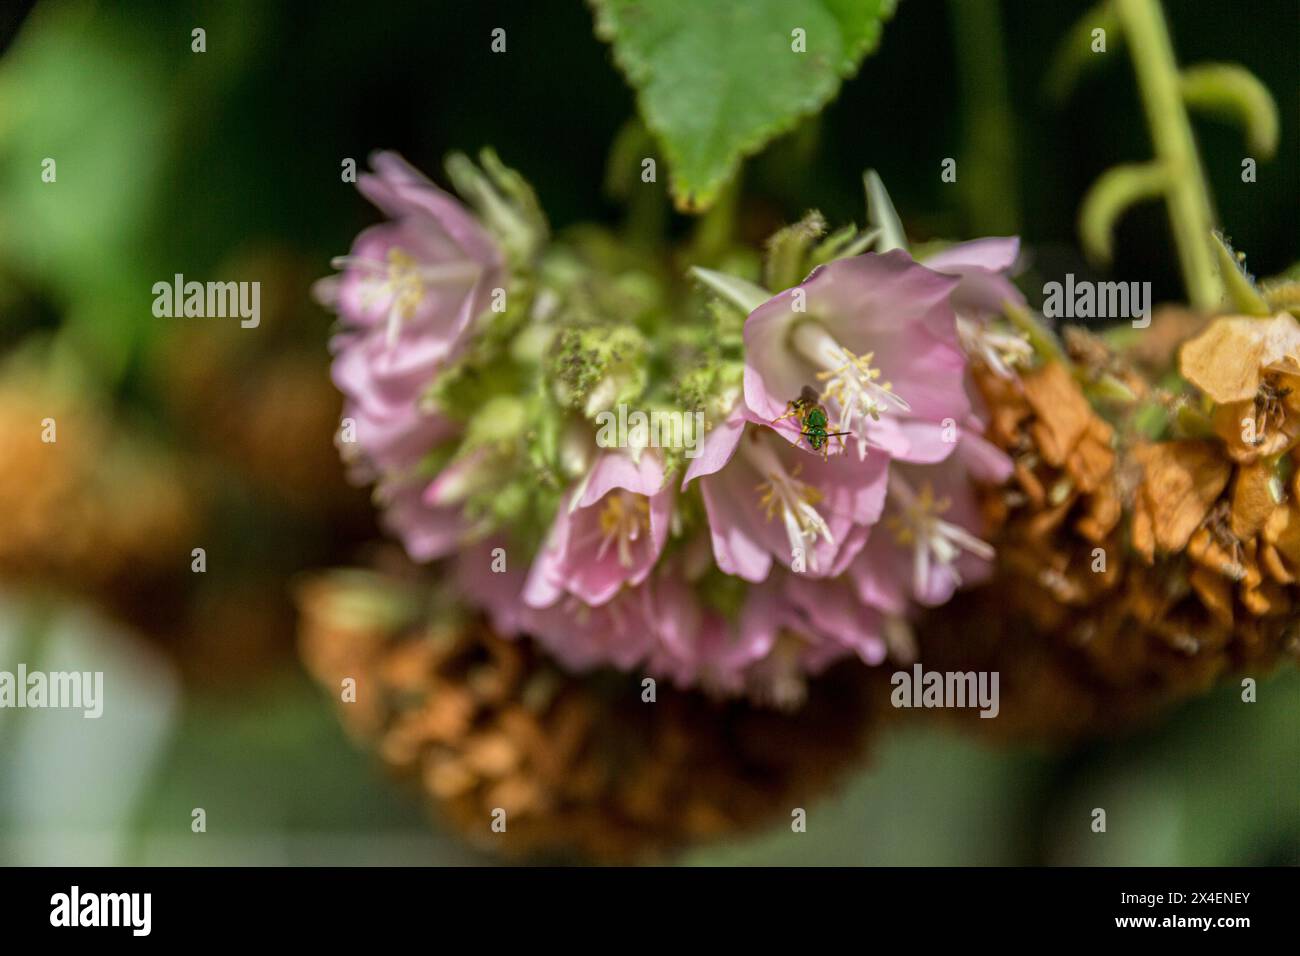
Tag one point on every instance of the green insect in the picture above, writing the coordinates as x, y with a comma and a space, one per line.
812, 420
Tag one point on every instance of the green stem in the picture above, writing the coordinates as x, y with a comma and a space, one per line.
714, 230
989, 175
1190, 214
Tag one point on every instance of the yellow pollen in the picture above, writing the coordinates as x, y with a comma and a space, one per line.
861, 364
404, 279
622, 519
617, 516
772, 502
919, 514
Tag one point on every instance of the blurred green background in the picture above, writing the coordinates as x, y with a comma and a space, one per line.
1215, 783
170, 161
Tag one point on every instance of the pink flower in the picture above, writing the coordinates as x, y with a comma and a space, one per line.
876, 337
430, 269
659, 624
928, 543
388, 443
619, 633
408, 295
983, 266
818, 622
409, 292
608, 532
766, 500
379, 437
426, 532
494, 585
622, 632
697, 645
835, 620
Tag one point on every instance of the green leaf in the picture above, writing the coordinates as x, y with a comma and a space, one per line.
717, 80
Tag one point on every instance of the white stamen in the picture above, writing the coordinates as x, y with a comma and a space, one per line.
404, 281
916, 522
783, 493
1001, 351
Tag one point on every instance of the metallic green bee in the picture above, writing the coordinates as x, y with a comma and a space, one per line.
812, 420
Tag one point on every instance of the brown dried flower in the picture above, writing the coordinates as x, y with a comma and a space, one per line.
88, 505
1131, 572
582, 766
1181, 481
1230, 358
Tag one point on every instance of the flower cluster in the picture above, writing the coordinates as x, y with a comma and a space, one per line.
830, 495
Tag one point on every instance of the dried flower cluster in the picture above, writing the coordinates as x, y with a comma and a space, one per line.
581, 768
1153, 553
87, 503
